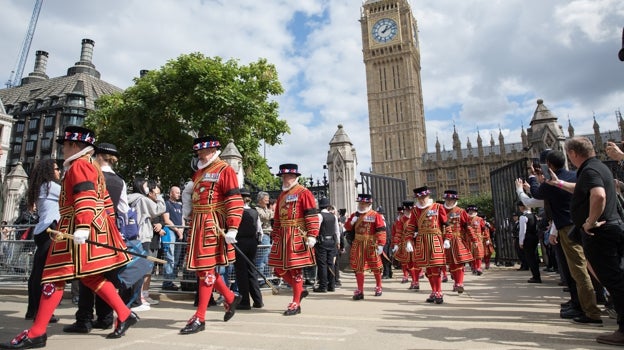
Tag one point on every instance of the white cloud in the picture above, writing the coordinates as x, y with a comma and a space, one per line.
486, 62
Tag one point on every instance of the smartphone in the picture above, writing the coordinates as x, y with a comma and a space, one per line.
545, 171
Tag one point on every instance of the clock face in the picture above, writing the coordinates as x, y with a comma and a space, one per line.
384, 30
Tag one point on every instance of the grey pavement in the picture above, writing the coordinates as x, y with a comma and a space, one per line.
499, 310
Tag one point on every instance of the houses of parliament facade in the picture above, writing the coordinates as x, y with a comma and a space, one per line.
398, 135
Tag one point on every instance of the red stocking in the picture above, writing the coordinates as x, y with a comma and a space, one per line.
359, 278
47, 305
107, 291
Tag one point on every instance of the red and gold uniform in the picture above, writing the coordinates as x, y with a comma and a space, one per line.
86, 212
216, 207
478, 228
370, 236
83, 204
295, 228
488, 247
428, 220
295, 219
399, 254
458, 231
407, 259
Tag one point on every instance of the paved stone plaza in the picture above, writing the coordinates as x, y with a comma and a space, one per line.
499, 310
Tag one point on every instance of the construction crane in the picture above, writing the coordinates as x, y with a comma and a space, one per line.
16, 74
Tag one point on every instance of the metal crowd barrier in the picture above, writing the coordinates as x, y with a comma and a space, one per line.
16, 254
16, 259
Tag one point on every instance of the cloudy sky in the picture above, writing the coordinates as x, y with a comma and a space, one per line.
484, 62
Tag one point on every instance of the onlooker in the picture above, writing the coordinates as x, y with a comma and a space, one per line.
265, 214
149, 204
558, 202
594, 211
247, 237
172, 217
326, 248
43, 193
529, 240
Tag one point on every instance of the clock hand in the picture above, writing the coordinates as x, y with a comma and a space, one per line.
385, 29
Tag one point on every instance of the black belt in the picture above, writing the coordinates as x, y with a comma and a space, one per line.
614, 222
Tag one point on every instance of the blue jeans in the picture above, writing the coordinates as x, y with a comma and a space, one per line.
225, 272
262, 258
168, 249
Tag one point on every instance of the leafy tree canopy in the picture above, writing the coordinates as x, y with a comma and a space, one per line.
482, 200
153, 123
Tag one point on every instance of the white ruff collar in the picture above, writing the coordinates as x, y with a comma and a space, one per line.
82, 152
295, 183
451, 207
365, 210
201, 165
429, 202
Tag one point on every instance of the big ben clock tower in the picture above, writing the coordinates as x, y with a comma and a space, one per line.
395, 104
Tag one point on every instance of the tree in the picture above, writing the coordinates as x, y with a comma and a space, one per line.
483, 201
153, 123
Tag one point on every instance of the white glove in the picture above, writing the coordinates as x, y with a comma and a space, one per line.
353, 220
487, 242
415, 234
409, 247
447, 244
311, 241
379, 249
230, 236
80, 236
395, 248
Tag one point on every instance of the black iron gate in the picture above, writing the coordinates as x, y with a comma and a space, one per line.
504, 199
388, 193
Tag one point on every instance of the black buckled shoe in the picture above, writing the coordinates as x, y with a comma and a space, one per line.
293, 309
431, 298
438, 299
358, 295
122, 327
304, 293
78, 327
193, 326
230, 309
23, 342
101, 324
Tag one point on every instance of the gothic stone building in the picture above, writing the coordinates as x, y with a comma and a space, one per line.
41, 107
398, 135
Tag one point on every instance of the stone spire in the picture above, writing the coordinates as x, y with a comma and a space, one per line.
341, 165
545, 131
570, 128
438, 152
232, 156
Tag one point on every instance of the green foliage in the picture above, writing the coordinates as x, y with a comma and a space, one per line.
153, 123
482, 200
